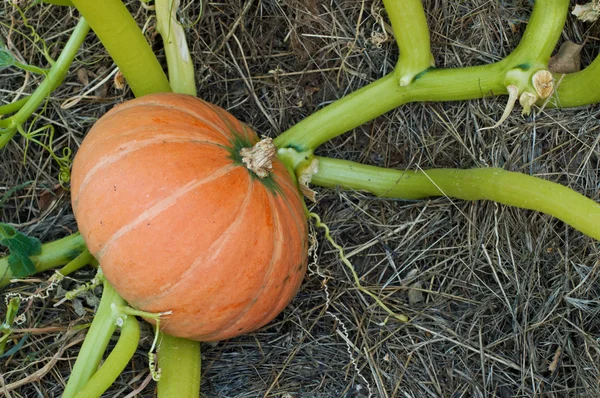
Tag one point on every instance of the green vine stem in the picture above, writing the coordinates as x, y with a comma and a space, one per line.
180, 363
509, 188
12, 107
578, 88
53, 79
96, 341
78, 262
179, 61
30, 68
115, 362
12, 308
540, 37
412, 36
127, 46
350, 267
53, 254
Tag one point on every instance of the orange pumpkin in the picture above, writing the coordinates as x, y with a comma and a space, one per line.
179, 223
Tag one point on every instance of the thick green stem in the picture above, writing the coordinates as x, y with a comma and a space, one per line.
344, 114
83, 259
54, 254
578, 88
412, 35
53, 79
543, 31
96, 341
127, 46
385, 94
180, 65
180, 364
116, 361
510, 188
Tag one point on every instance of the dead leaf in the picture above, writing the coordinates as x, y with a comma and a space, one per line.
554, 365
589, 12
567, 59
82, 76
49, 197
308, 193
101, 91
119, 80
78, 307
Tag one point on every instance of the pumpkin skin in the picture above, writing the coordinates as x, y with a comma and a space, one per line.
179, 224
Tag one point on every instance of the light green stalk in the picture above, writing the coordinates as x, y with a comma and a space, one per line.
12, 308
78, 262
126, 44
96, 341
30, 68
180, 363
180, 64
115, 362
53, 79
509, 188
578, 88
412, 36
540, 37
11, 108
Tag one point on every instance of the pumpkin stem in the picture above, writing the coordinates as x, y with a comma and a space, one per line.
260, 157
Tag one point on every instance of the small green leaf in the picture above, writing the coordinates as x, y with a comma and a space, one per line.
6, 58
21, 247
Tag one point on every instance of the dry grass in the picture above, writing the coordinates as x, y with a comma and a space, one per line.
510, 297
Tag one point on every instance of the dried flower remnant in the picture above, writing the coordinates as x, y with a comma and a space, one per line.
587, 12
